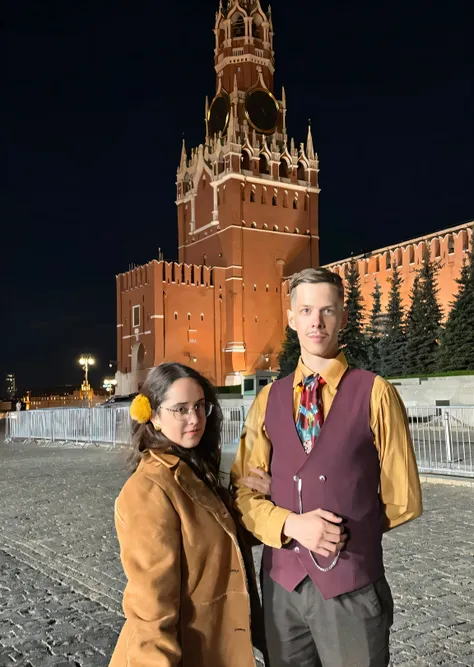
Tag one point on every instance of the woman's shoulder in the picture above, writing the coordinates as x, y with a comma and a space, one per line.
149, 484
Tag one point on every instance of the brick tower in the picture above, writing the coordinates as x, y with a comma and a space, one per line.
247, 201
248, 197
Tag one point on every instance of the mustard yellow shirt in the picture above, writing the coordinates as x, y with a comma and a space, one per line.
400, 491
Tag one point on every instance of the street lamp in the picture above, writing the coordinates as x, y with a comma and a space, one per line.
109, 385
86, 360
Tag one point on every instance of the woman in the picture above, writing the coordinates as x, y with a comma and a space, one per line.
190, 584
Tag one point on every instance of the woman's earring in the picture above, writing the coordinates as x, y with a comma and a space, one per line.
157, 427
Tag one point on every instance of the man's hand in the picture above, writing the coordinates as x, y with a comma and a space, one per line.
319, 531
258, 481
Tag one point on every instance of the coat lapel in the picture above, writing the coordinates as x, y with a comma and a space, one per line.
202, 495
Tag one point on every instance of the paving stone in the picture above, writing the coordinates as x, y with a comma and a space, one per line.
61, 580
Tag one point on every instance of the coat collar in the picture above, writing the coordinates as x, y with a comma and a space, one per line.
168, 460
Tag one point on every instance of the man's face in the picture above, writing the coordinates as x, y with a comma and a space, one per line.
317, 315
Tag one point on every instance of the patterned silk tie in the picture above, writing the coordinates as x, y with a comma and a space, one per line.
311, 414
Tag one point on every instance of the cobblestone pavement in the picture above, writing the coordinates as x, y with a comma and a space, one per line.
61, 580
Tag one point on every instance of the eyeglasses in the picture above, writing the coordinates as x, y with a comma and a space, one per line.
181, 413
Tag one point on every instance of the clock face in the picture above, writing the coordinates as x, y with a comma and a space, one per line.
261, 109
218, 116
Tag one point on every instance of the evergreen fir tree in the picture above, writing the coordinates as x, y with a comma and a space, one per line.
413, 325
423, 326
352, 338
375, 328
290, 353
456, 352
392, 344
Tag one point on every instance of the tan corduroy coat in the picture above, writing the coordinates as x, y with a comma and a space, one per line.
187, 600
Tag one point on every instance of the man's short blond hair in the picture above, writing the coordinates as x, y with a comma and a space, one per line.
314, 276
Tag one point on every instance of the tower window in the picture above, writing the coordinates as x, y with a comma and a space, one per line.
274, 200
411, 252
257, 27
252, 196
283, 169
202, 317
377, 264
176, 316
189, 316
245, 160
263, 165
388, 264
301, 173
238, 27
295, 203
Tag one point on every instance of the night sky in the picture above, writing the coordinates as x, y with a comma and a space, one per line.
99, 94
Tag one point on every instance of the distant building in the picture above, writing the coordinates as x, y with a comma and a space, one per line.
10, 386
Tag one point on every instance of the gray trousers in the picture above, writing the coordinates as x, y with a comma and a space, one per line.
304, 630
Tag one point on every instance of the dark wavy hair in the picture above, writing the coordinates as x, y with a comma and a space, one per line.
204, 459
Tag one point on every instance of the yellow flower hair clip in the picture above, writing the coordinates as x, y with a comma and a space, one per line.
140, 410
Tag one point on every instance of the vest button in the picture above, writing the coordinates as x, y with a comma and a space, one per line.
322, 478
297, 550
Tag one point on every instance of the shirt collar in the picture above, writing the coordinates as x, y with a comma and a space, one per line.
332, 374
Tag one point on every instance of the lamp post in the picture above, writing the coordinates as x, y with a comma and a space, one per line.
109, 385
85, 361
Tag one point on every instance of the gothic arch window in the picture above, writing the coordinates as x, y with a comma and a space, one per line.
257, 28
295, 203
274, 200
189, 316
283, 168
252, 196
238, 26
175, 315
411, 254
301, 172
388, 264
377, 264
202, 317
222, 35
263, 165
245, 160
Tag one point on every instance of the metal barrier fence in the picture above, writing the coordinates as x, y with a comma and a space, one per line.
443, 437
84, 426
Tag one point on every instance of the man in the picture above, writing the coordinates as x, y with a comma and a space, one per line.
337, 445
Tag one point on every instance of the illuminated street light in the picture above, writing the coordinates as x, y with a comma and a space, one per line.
109, 385
85, 361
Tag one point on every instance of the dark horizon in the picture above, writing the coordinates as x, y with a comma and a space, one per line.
98, 99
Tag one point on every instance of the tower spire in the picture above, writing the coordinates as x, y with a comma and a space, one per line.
182, 164
309, 143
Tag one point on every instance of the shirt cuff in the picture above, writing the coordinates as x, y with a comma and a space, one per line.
274, 532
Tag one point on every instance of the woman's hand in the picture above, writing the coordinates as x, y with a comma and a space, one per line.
258, 481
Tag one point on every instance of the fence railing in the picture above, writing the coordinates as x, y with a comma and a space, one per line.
109, 426
443, 437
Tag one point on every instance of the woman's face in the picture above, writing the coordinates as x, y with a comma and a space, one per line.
182, 413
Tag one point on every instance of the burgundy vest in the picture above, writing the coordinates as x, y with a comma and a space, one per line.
341, 475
